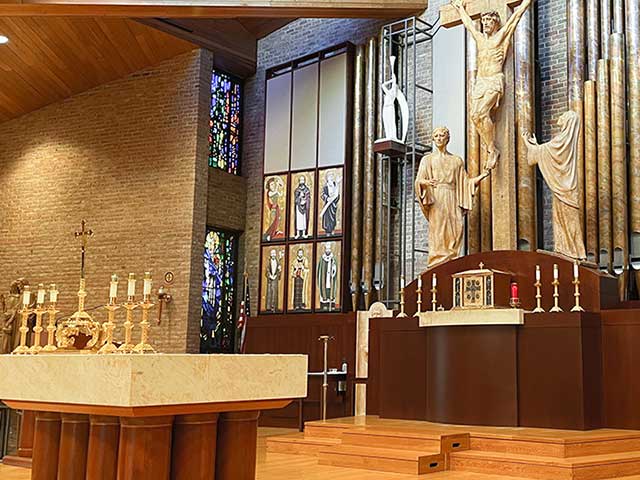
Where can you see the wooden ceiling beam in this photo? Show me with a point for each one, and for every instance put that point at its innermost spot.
(212, 9)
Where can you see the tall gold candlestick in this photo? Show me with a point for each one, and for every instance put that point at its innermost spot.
(556, 308)
(130, 306)
(51, 328)
(402, 314)
(37, 329)
(22, 348)
(419, 300)
(144, 346)
(576, 284)
(109, 326)
(538, 308)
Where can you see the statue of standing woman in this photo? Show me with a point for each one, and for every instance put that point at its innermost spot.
(10, 307)
(445, 192)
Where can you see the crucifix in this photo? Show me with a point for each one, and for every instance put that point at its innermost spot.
(84, 235)
(492, 105)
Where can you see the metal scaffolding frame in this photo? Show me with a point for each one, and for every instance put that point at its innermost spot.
(402, 39)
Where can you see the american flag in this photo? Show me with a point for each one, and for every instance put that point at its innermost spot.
(244, 314)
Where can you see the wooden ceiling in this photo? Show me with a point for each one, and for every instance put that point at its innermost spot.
(49, 59)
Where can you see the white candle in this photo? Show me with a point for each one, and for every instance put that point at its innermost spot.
(434, 281)
(402, 282)
(537, 273)
(41, 294)
(131, 291)
(53, 293)
(26, 296)
(419, 281)
(555, 271)
(575, 270)
(147, 283)
(113, 286)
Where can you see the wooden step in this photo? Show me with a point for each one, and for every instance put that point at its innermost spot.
(383, 459)
(597, 443)
(298, 444)
(321, 429)
(593, 467)
(411, 439)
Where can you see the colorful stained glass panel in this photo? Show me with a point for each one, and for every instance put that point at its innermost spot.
(224, 123)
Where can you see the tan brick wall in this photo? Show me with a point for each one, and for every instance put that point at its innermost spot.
(130, 157)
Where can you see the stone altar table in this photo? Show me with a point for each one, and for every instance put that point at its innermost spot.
(148, 416)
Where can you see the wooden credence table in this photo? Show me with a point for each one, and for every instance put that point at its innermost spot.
(148, 417)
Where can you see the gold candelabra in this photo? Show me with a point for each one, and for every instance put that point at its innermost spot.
(538, 308)
(108, 327)
(144, 346)
(402, 314)
(51, 327)
(556, 308)
(37, 329)
(419, 294)
(22, 348)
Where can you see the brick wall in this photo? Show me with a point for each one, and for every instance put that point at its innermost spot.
(128, 157)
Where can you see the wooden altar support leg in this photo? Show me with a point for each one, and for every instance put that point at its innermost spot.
(46, 445)
(145, 448)
(27, 431)
(74, 439)
(237, 442)
(102, 455)
(194, 447)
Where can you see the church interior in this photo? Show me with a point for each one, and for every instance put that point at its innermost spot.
(337, 239)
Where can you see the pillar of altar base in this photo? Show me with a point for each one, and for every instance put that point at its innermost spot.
(193, 453)
(74, 440)
(46, 445)
(145, 448)
(102, 454)
(27, 428)
(237, 440)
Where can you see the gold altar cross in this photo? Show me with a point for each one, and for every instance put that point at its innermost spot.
(503, 176)
(84, 235)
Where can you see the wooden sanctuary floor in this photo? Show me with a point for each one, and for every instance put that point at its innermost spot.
(281, 466)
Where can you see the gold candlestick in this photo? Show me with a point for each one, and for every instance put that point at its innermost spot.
(24, 329)
(51, 328)
(419, 301)
(556, 308)
(434, 302)
(538, 308)
(144, 346)
(130, 306)
(577, 307)
(109, 326)
(37, 329)
(402, 314)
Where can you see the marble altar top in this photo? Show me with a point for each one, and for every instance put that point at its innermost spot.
(151, 380)
(479, 316)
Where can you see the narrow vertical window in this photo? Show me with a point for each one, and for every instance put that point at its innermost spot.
(225, 122)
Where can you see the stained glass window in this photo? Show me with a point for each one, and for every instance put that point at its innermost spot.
(217, 323)
(224, 123)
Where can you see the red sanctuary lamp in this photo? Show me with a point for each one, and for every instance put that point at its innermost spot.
(514, 300)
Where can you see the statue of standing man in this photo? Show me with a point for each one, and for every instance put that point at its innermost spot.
(492, 46)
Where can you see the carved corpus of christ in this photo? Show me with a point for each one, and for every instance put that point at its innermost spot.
(492, 46)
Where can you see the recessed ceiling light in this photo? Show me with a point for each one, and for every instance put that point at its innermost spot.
(3, 40)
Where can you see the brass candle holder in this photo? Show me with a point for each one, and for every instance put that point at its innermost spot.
(576, 294)
(402, 313)
(130, 305)
(108, 327)
(419, 301)
(144, 346)
(52, 311)
(22, 348)
(37, 329)
(556, 308)
(434, 301)
(538, 308)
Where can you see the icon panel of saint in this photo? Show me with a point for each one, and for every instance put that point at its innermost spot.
(272, 283)
(330, 202)
(302, 210)
(300, 275)
(328, 285)
(274, 208)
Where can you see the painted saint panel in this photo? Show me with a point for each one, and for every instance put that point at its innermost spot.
(300, 275)
(328, 285)
(330, 202)
(274, 208)
(272, 272)
(301, 212)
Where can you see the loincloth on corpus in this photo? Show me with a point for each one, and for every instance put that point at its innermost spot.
(486, 85)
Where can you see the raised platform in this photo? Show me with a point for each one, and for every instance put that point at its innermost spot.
(401, 446)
